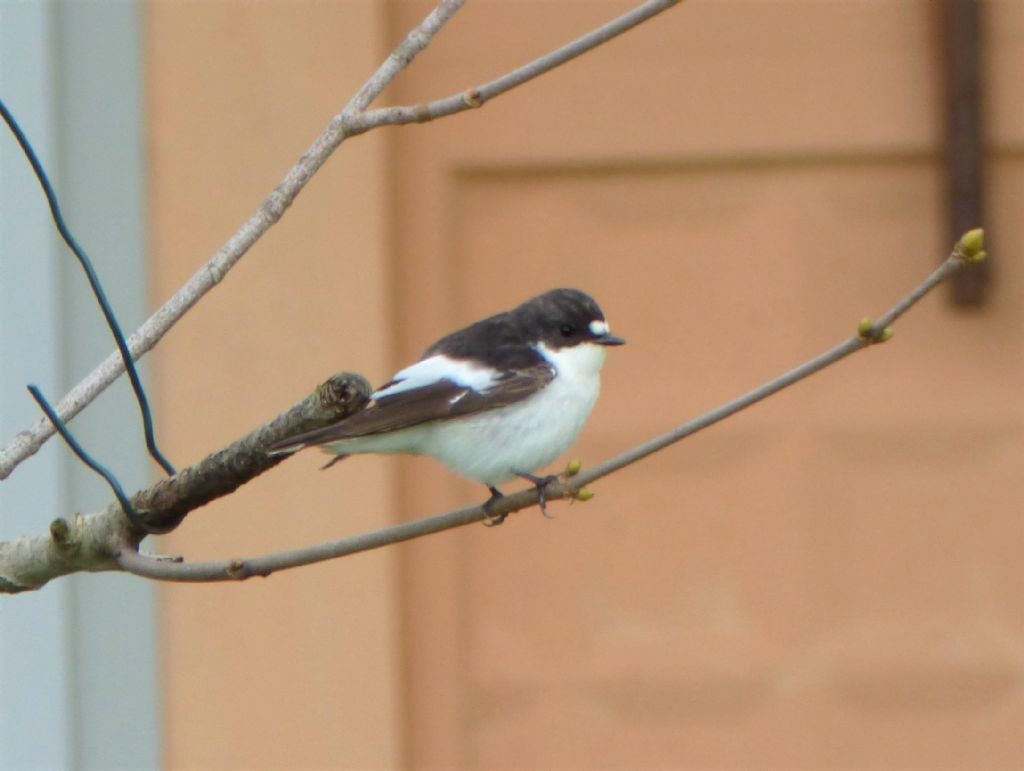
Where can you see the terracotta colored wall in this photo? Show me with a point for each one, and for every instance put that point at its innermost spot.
(299, 671)
(829, 580)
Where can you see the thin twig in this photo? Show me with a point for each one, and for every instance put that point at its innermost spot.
(476, 97)
(350, 121)
(967, 251)
(841, 351)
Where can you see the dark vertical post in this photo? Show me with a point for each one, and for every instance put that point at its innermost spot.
(962, 21)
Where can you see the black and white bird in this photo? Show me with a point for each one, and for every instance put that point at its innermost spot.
(499, 399)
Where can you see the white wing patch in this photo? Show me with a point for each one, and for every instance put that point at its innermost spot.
(435, 368)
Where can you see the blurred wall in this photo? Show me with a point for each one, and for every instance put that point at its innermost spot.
(828, 580)
(300, 671)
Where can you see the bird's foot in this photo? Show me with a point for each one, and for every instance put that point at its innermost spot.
(493, 519)
(540, 483)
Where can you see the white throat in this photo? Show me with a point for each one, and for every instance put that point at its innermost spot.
(582, 361)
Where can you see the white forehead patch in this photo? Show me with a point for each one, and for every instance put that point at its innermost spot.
(599, 328)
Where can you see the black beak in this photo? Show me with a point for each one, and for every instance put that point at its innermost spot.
(609, 340)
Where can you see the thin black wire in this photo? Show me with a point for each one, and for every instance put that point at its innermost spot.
(84, 456)
(101, 298)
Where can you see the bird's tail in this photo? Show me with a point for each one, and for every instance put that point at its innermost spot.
(276, 450)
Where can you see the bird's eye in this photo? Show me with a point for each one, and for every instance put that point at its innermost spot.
(567, 330)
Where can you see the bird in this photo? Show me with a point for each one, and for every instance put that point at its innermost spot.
(496, 400)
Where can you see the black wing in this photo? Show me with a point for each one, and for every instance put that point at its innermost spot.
(441, 399)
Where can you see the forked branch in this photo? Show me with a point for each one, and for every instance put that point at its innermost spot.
(92, 541)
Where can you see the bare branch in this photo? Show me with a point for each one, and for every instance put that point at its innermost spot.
(352, 120)
(967, 251)
(164, 505)
(91, 541)
(476, 97)
(867, 334)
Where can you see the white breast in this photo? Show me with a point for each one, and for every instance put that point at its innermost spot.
(492, 447)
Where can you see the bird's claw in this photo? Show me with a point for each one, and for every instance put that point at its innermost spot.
(493, 520)
(540, 483)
